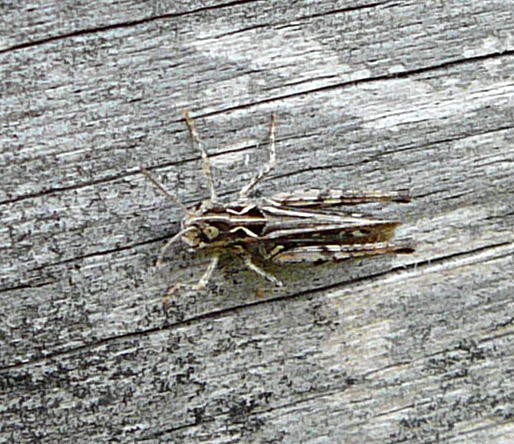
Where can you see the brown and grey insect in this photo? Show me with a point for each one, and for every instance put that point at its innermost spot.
(285, 228)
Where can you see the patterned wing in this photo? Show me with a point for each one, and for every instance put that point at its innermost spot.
(318, 198)
(334, 253)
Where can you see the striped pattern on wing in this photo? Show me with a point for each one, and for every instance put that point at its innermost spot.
(318, 198)
(334, 253)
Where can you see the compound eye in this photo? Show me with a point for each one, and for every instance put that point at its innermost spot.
(192, 238)
(211, 232)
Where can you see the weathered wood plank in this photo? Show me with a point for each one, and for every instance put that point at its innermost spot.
(380, 95)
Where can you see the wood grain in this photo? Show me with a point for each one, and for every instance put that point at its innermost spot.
(369, 95)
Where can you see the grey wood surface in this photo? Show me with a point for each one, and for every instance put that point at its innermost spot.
(370, 95)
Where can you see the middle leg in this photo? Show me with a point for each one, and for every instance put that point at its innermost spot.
(250, 265)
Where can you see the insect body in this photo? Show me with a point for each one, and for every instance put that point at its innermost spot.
(284, 228)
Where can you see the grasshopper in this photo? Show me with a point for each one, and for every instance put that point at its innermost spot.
(288, 227)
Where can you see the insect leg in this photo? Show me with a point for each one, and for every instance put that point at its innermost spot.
(202, 283)
(206, 164)
(261, 272)
(168, 244)
(248, 262)
(271, 161)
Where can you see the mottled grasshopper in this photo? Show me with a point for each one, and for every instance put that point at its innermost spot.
(284, 228)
